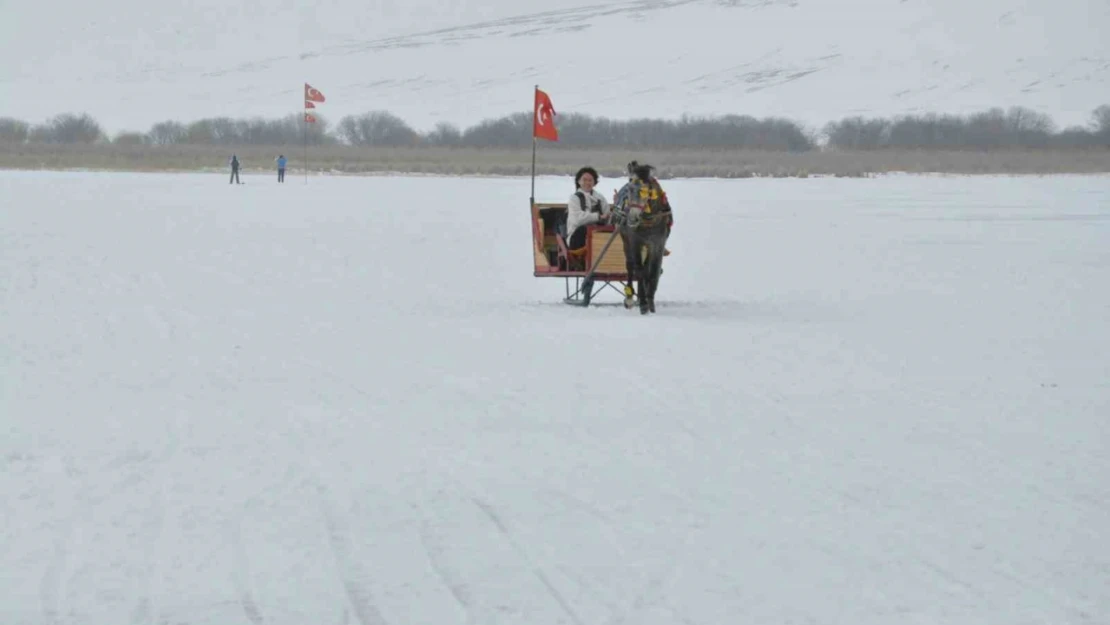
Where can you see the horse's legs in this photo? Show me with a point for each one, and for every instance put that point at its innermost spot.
(635, 266)
(628, 266)
(654, 268)
(645, 257)
(644, 271)
(632, 263)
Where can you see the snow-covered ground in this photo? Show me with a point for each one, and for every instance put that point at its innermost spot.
(130, 65)
(861, 402)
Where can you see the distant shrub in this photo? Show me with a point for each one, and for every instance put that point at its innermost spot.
(68, 128)
(376, 128)
(13, 130)
(131, 138)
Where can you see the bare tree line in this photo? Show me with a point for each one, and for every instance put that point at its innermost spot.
(992, 129)
(996, 129)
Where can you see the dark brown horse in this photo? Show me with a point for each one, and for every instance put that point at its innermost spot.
(644, 220)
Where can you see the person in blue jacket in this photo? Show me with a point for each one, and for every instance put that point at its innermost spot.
(281, 167)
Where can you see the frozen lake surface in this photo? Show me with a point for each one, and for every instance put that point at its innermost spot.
(861, 402)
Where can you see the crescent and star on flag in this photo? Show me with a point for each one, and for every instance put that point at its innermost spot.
(543, 118)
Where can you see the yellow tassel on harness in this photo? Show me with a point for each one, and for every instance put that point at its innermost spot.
(646, 195)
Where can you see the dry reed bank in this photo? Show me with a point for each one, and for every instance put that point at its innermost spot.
(553, 160)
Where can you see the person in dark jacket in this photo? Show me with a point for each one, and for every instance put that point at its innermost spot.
(234, 170)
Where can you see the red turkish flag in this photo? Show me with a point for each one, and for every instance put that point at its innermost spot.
(309, 118)
(312, 94)
(309, 105)
(543, 118)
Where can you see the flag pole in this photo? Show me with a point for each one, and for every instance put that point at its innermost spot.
(304, 122)
(535, 94)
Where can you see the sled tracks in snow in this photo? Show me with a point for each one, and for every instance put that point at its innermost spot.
(358, 595)
(455, 581)
(536, 571)
(473, 517)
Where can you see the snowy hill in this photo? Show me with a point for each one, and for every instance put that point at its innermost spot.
(276, 405)
(131, 64)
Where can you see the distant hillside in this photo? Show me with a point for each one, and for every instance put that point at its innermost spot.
(130, 64)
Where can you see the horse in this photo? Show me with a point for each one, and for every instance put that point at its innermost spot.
(642, 214)
(644, 242)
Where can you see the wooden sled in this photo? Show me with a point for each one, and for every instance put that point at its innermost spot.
(586, 272)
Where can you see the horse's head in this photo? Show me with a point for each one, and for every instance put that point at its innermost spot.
(644, 172)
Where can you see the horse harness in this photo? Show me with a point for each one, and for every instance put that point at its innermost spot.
(654, 207)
